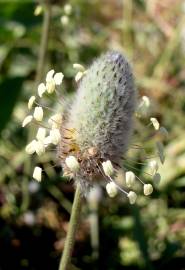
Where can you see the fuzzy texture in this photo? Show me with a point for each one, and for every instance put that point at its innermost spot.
(100, 118)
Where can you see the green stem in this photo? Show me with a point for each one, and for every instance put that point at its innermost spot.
(69, 242)
(44, 42)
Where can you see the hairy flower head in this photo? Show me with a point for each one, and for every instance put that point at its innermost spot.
(93, 133)
(99, 122)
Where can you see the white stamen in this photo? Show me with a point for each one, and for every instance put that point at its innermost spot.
(111, 189)
(153, 165)
(143, 106)
(146, 101)
(155, 123)
(38, 113)
(78, 76)
(31, 147)
(40, 148)
(55, 121)
(78, 67)
(55, 136)
(37, 174)
(130, 178)
(132, 197)
(72, 163)
(49, 75)
(147, 189)
(50, 86)
(108, 168)
(41, 89)
(64, 20)
(58, 78)
(41, 134)
(27, 120)
(38, 10)
(67, 9)
(30, 102)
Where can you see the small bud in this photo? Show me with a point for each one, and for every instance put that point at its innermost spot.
(38, 114)
(31, 147)
(55, 121)
(78, 76)
(41, 134)
(155, 123)
(132, 197)
(153, 165)
(30, 102)
(40, 148)
(37, 174)
(148, 189)
(130, 178)
(111, 189)
(27, 120)
(72, 163)
(55, 136)
(108, 168)
(58, 78)
(67, 9)
(49, 75)
(64, 20)
(78, 67)
(41, 89)
(50, 86)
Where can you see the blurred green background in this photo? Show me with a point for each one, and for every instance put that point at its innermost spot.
(34, 217)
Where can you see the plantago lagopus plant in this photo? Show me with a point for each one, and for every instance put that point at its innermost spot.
(93, 133)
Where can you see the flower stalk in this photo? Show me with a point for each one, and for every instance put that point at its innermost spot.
(73, 224)
(44, 42)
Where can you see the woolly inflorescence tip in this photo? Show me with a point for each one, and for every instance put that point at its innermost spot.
(100, 117)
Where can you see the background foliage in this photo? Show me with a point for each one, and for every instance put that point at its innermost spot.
(34, 217)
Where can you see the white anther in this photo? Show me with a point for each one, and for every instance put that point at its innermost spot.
(37, 174)
(38, 113)
(111, 189)
(72, 163)
(108, 168)
(147, 189)
(27, 120)
(129, 178)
